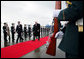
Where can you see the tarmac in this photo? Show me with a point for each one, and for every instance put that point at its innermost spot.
(39, 52)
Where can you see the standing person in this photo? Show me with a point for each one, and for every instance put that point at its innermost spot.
(36, 31)
(41, 31)
(13, 32)
(44, 31)
(8, 31)
(70, 41)
(19, 31)
(47, 31)
(5, 32)
(25, 31)
(29, 32)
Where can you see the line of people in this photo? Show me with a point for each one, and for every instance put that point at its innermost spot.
(19, 31)
(26, 32)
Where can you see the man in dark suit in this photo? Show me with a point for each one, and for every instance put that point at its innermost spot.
(13, 32)
(19, 31)
(70, 41)
(5, 32)
(36, 31)
(25, 31)
(8, 31)
(43, 31)
(29, 32)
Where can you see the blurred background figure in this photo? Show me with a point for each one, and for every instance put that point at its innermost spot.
(36, 31)
(8, 32)
(25, 31)
(19, 31)
(41, 31)
(5, 32)
(29, 32)
(13, 32)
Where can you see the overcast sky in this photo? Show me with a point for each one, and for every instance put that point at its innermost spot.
(27, 12)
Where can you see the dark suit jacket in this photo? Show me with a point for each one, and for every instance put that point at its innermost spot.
(25, 29)
(4, 30)
(12, 29)
(36, 30)
(70, 41)
(29, 30)
(19, 29)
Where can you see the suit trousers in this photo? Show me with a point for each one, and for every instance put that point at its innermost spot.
(36, 36)
(5, 36)
(12, 37)
(19, 36)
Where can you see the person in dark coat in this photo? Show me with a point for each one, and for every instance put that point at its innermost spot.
(8, 31)
(19, 30)
(13, 32)
(36, 31)
(29, 32)
(25, 31)
(41, 31)
(70, 41)
(5, 32)
(45, 31)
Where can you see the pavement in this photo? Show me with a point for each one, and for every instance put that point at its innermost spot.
(39, 52)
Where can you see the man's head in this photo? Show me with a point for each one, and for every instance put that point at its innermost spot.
(12, 24)
(25, 25)
(35, 22)
(28, 25)
(18, 22)
(4, 24)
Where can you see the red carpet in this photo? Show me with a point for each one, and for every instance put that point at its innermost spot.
(20, 49)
